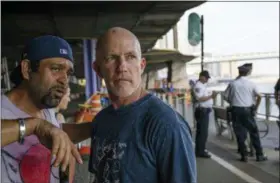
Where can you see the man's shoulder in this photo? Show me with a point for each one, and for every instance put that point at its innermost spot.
(249, 83)
(7, 108)
(164, 115)
(105, 112)
(199, 86)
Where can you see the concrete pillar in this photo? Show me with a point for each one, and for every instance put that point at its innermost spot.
(93, 83)
(179, 75)
(152, 78)
(169, 71)
(146, 80)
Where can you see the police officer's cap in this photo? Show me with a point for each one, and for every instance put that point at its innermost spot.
(245, 67)
(205, 74)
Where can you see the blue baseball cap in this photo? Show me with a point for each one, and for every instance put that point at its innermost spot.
(40, 48)
(48, 46)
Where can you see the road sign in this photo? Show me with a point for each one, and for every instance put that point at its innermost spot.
(194, 33)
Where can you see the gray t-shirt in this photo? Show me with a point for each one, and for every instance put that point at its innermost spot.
(31, 161)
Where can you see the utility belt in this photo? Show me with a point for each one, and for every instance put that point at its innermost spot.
(252, 109)
(204, 109)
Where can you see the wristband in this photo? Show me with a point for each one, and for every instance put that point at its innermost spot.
(22, 130)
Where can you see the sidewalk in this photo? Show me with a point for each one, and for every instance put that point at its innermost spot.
(271, 166)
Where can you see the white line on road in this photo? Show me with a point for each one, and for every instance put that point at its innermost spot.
(233, 169)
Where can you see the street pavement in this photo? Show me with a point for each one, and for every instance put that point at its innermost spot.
(225, 166)
(231, 169)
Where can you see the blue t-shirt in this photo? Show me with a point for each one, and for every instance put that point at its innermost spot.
(144, 142)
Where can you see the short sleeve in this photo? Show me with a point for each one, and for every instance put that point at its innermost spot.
(198, 91)
(174, 152)
(227, 92)
(255, 89)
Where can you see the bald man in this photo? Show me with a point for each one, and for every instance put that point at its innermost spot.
(138, 138)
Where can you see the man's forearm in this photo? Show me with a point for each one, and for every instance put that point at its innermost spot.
(78, 132)
(203, 99)
(10, 130)
(276, 97)
(259, 98)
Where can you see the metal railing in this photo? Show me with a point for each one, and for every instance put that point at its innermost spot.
(268, 109)
(180, 101)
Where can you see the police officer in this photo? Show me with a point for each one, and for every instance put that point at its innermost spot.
(203, 107)
(244, 99)
(277, 102)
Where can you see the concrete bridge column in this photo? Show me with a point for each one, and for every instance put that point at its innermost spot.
(93, 83)
(179, 75)
(148, 79)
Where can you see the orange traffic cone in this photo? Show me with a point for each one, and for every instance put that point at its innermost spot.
(96, 104)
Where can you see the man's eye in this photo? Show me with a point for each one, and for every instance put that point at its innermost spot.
(130, 57)
(70, 73)
(56, 69)
(110, 58)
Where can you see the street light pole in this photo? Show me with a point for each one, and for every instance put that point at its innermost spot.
(202, 41)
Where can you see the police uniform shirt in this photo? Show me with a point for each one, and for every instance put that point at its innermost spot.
(200, 90)
(241, 92)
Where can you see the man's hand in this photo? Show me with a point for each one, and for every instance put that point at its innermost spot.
(214, 94)
(58, 141)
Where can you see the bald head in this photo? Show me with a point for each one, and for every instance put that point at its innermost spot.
(116, 34)
(119, 61)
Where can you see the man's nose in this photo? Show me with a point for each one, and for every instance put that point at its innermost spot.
(122, 64)
(63, 79)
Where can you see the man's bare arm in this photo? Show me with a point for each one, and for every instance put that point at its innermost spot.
(10, 130)
(276, 94)
(78, 132)
(205, 98)
(48, 134)
(259, 98)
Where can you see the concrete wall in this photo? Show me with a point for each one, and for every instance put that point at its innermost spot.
(152, 78)
(179, 75)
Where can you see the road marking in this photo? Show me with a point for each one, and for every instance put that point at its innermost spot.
(233, 169)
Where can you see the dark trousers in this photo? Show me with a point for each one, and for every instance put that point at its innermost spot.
(202, 119)
(243, 120)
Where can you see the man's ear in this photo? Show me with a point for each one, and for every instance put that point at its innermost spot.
(25, 69)
(96, 68)
(143, 65)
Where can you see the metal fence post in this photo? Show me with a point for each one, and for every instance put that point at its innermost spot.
(267, 106)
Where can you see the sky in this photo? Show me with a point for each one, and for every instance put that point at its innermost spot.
(237, 27)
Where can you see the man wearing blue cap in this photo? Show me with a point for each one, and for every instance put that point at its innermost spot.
(244, 99)
(41, 80)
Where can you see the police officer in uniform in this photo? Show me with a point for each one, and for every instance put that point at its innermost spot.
(277, 102)
(203, 107)
(244, 99)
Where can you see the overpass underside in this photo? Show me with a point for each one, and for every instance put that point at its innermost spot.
(78, 21)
